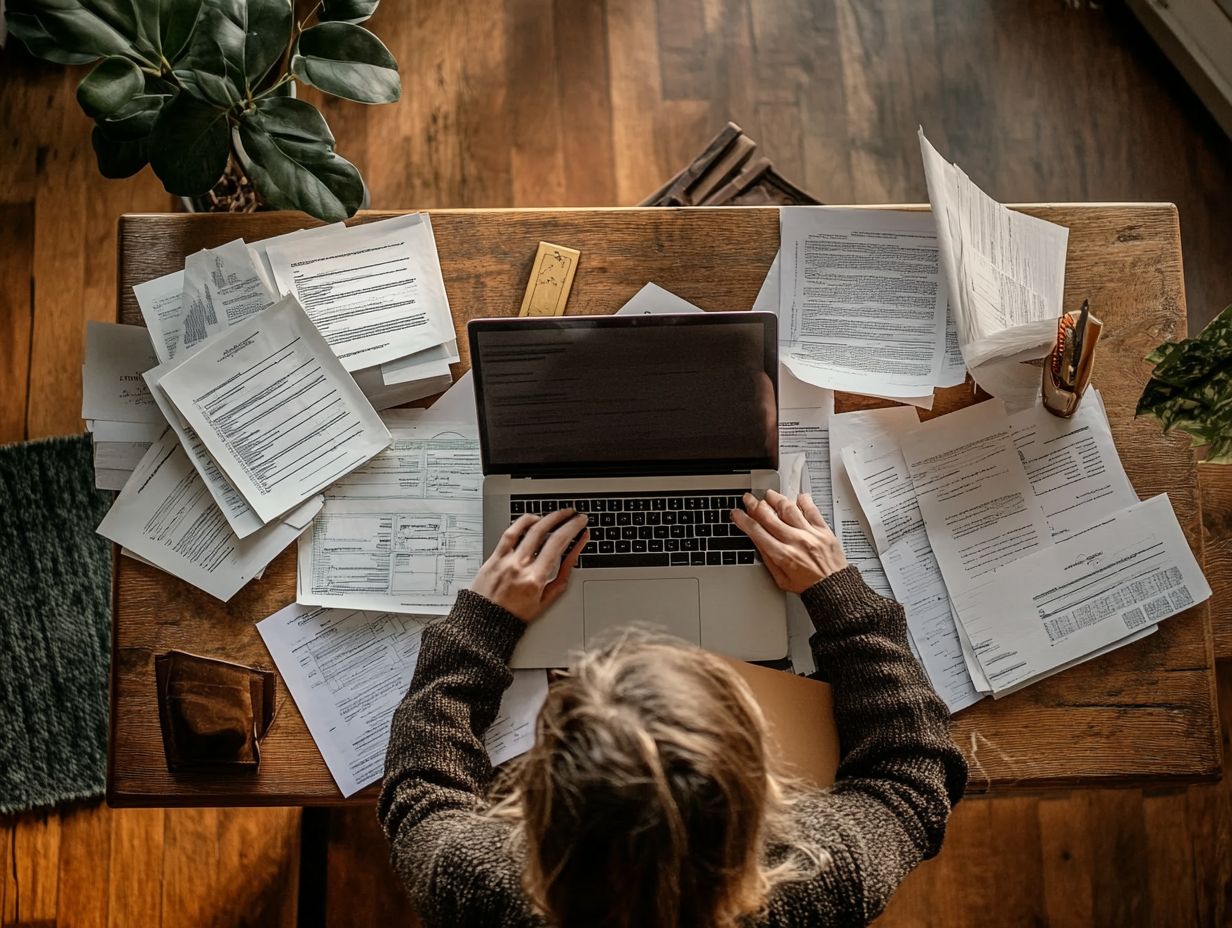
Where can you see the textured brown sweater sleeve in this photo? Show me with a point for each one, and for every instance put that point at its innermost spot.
(456, 864)
(899, 773)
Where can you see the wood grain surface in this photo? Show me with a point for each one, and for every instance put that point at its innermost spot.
(1145, 713)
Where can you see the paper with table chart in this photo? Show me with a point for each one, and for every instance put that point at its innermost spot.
(167, 516)
(391, 555)
(1053, 608)
(405, 532)
(862, 300)
(222, 286)
(375, 291)
(160, 301)
(348, 671)
(861, 428)
(1005, 270)
(434, 461)
(275, 409)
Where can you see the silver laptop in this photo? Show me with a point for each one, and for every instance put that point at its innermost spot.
(654, 426)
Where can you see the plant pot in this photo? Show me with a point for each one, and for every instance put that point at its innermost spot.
(234, 193)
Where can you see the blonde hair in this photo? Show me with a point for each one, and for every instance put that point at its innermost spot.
(649, 798)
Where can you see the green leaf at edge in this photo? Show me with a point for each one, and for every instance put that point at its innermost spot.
(347, 61)
(347, 11)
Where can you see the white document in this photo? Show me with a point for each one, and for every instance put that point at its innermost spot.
(654, 300)
(863, 301)
(242, 518)
(375, 291)
(112, 387)
(161, 301)
(275, 409)
(1053, 608)
(145, 432)
(166, 515)
(348, 672)
(111, 479)
(422, 365)
(767, 300)
(916, 580)
(222, 287)
(807, 432)
(260, 250)
(422, 462)
(887, 498)
(119, 455)
(513, 732)
(977, 502)
(457, 404)
(1073, 466)
(384, 396)
(1005, 270)
(391, 555)
(849, 525)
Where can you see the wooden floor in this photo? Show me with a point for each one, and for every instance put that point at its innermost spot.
(580, 102)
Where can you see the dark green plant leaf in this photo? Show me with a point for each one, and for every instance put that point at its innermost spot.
(189, 145)
(86, 27)
(205, 74)
(167, 25)
(1190, 389)
(39, 42)
(347, 61)
(113, 82)
(287, 151)
(135, 119)
(118, 158)
(266, 38)
(346, 11)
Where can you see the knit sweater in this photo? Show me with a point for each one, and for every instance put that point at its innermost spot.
(898, 777)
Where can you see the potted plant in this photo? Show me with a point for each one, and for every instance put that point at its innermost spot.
(1191, 388)
(203, 90)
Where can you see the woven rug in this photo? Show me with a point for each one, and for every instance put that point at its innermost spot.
(55, 625)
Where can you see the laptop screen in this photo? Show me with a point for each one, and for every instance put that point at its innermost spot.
(591, 395)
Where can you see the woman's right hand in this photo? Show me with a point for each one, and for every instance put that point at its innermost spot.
(794, 541)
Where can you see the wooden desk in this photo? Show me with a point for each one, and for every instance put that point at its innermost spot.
(1146, 713)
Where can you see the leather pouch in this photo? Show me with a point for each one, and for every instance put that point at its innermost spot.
(213, 713)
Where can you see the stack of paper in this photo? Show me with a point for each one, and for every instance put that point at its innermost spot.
(375, 292)
(261, 416)
(120, 413)
(1016, 543)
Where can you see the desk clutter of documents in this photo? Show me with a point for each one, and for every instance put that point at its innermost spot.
(256, 409)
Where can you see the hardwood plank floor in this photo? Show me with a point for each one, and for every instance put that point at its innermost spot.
(568, 103)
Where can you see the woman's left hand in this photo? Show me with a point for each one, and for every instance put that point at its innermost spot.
(522, 575)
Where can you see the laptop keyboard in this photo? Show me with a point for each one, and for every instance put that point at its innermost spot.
(657, 529)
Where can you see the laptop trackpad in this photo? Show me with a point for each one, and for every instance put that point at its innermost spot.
(671, 605)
